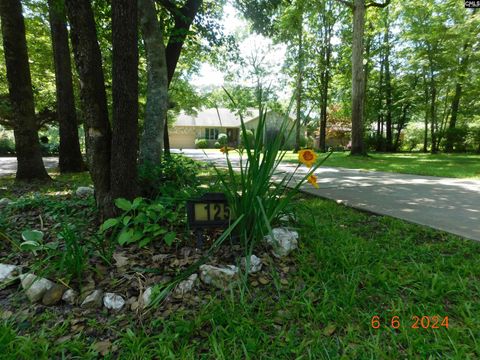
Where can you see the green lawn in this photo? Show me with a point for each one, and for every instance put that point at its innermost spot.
(448, 165)
(350, 267)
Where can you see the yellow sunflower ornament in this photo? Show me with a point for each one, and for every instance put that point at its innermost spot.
(307, 157)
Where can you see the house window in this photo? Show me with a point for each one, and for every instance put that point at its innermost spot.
(211, 134)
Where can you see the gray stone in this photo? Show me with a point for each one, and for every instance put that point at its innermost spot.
(113, 301)
(70, 296)
(94, 300)
(4, 202)
(35, 287)
(146, 298)
(283, 242)
(8, 274)
(220, 277)
(84, 191)
(53, 295)
(187, 285)
(255, 264)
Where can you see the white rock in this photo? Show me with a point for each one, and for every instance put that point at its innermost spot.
(221, 277)
(146, 297)
(113, 301)
(255, 264)
(94, 300)
(4, 202)
(84, 191)
(283, 242)
(70, 296)
(35, 287)
(187, 285)
(8, 273)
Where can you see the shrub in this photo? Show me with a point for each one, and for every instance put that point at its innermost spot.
(174, 174)
(222, 139)
(218, 145)
(247, 134)
(7, 146)
(142, 222)
(201, 143)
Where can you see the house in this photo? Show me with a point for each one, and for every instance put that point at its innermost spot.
(209, 123)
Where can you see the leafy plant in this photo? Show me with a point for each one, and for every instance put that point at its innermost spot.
(256, 189)
(74, 259)
(173, 174)
(201, 143)
(33, 241)
(142, 222)
(222, 139)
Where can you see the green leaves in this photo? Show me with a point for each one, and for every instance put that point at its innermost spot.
(142, 222)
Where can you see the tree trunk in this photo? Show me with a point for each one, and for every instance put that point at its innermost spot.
(379, 139)
(298, 92)
(425, 134)
(358, 78)
(94, 101)
(433, 120)
(123, 177)
(29, 158)
(388, 89)
(70, 157)
(151, 143)
(456, 98)
(183, 20)
(325, 83)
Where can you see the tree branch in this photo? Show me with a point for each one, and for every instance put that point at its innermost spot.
(169, 5)
(378, 5)
(347, 3)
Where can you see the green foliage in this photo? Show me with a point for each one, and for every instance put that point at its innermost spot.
(222, 139)
(251, 189)
(7, 146)
(175, 174)
(143, 222)
(201, 143)
(75, 255)
(217, 145)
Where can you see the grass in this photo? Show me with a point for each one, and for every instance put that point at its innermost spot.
(350, 267)
(447, 165)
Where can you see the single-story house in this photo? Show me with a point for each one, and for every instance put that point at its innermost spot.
(209, 123)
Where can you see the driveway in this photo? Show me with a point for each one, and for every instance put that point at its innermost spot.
(447, 204)
(8, 165)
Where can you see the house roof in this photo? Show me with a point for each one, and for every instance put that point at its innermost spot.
(220, 117)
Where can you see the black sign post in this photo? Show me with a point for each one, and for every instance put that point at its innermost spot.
(209, 211)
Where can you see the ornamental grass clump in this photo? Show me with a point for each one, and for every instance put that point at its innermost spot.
(257, 189)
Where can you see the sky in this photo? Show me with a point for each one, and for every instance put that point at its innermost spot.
(232, 22)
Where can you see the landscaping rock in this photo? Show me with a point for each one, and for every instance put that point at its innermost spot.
(221, 278)
(8, 273)
(4, 202)
(255, 264)
(53, 295)
(283, 242)
(35, 287)
(84, 191)
(113, 301)
(186, 286)
(94, 300)
(70, 296)
(146, 297)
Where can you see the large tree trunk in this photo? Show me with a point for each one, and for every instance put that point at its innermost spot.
(151, 143)
(94, 101)
(358, 78)
(433, 115)
(425, 132)
(379, 146)
(125, 99)
(325, 81)
(27, 146)
(70, 157)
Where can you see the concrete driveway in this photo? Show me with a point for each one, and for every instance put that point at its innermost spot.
(8, 165)
(447, 204)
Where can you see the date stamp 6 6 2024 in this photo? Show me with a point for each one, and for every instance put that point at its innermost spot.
(416, 322)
